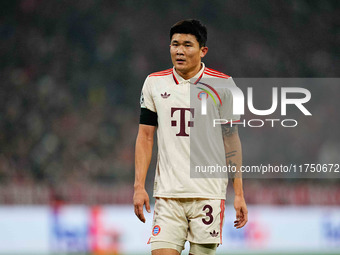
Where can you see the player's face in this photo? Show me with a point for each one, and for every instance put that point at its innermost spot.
(186, 54)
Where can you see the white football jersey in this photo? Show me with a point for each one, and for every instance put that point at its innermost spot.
(186, 137)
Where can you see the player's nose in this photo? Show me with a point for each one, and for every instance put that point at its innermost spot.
(180, 50)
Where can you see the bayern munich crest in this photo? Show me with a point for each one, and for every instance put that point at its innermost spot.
(156, 229)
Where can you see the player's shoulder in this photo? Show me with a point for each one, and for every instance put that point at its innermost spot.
(216, 74)
(161, 73)
(157, 78)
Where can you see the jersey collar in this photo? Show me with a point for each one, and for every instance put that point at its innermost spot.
(179, 80)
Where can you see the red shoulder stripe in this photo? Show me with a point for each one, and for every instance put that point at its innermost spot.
(165, 74)
(213, 70)
(222, 77)
(166, 71)
(161, 73)
(217, 75)
(216, 72)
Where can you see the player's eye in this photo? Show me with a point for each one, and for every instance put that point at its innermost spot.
(188, 45)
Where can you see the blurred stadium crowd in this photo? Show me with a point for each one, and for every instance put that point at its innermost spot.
(71, 74)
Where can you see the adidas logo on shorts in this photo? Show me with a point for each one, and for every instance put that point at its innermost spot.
(214, 233)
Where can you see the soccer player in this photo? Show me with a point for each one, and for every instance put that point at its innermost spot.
(186, 209)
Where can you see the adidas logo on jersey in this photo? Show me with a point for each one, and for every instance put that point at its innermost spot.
(165, 95)
(214, 233)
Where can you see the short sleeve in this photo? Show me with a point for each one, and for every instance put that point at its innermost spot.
(226, 109)
(146, 98)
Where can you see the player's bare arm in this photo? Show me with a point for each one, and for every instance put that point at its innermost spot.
(233, 150)
(143, 153)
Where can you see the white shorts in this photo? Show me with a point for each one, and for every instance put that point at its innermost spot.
(196, 220)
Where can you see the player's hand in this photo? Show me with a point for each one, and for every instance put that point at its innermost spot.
(140, 198)
(241, 212)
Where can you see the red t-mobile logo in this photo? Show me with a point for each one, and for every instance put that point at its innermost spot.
(182, 119)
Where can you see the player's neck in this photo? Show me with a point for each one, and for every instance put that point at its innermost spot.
(190, 74)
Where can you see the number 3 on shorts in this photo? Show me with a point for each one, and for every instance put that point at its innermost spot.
(208, 213)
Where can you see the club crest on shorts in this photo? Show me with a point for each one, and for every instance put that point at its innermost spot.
(156, 229)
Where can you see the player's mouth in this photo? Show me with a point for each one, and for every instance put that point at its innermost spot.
(180, 61)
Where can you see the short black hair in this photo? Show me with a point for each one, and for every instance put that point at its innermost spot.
(191, 26)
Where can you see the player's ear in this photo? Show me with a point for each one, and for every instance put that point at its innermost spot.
(204, 51)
